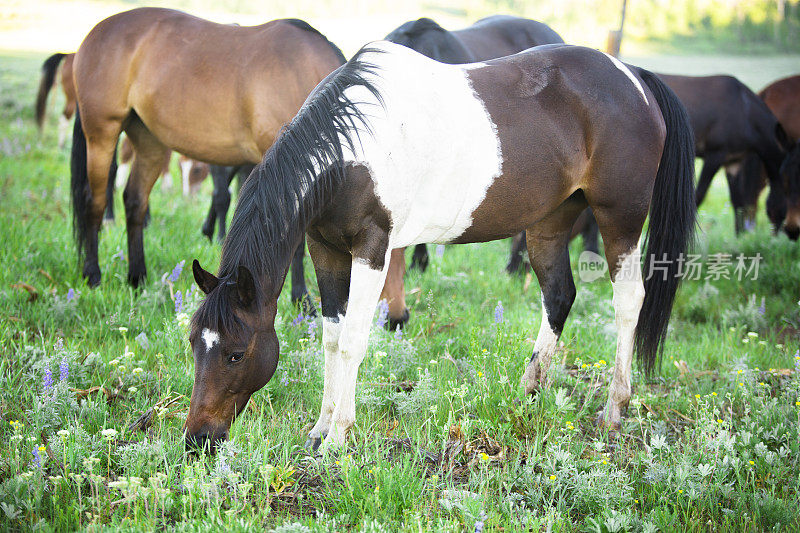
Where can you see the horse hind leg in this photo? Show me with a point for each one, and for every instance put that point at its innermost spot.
(548, 249)
(90, 208)
(145, 170)
(300, 296)
(621, 233)
(112, 177)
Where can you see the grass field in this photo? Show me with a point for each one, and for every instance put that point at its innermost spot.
(444, 439)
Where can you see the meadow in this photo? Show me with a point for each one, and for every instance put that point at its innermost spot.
(96, 384)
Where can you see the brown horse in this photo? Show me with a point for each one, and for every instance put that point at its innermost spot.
(749, 179)
(169, 80)
(489, 38)
(395, 149)
(730, 120)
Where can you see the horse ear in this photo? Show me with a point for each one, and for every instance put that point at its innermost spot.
(246, 287)
(205, 280)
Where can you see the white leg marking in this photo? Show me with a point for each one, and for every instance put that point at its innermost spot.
(627, 301)
(331, 331)
(166, 182)
(186, 170)
(123, 171)
(365, 289)
(210, 337)
(63, 130)
(535, 375)
(620, 65)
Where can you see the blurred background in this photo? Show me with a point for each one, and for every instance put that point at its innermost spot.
(651, 26)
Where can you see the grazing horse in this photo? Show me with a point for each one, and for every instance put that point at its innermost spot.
(50, 69)
(730, 120)
(489, 38)
(169, 80)
(394, 149)
(783, 99)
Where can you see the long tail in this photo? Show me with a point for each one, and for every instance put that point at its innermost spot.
(672, 224)
(79, 184)
(49, 70)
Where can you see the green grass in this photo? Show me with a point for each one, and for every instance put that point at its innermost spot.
(711, 442)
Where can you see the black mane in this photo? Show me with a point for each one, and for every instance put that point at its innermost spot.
(290, 186)
(305, 26)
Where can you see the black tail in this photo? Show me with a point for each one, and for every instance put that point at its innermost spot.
(49, 69)
(672, 223)
(79, 184)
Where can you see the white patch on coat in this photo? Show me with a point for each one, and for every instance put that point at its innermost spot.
(625, 70)
(434, 150)
(627, 300)
(210, 337)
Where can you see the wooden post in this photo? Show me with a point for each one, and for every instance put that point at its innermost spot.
(614, 40)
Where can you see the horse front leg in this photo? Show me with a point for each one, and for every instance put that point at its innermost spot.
(367, 279)
(333, 277)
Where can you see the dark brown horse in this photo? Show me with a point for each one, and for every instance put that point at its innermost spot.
(749, 179)
(395, 149)
(489, 38)
(215, 92)
(729, 120)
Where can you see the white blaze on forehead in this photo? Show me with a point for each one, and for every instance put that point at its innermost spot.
(210, 338)
(620, 65)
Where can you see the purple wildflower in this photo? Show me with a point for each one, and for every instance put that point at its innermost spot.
(178, 302)
(312, 325)
(176, 272)
(37, 459)
(762, 309)
(70, 294)
(63, 370)
(119, 255)
(47, 381)
(298, 319)
(59, 345)
(498, 312)
(439, 250)
(479, 523)
(398, 333)
(383, 312)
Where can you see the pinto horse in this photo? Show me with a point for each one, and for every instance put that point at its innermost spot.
(730, 120)
(215, 92)
(783, 99)
(395, 149)
(489, 38)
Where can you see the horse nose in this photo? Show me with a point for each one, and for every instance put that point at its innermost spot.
(793, 232)
(207, 442)
(395, 323)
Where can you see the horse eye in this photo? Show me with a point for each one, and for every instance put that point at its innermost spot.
(236, 357)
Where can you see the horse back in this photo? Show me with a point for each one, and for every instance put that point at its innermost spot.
(502, 35)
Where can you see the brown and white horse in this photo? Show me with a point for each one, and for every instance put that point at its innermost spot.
(395, 149)
(217, 93)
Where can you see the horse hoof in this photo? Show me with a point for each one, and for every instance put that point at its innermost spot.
(92, 279)
(136, 280)
(613, 427)
(313, 443)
